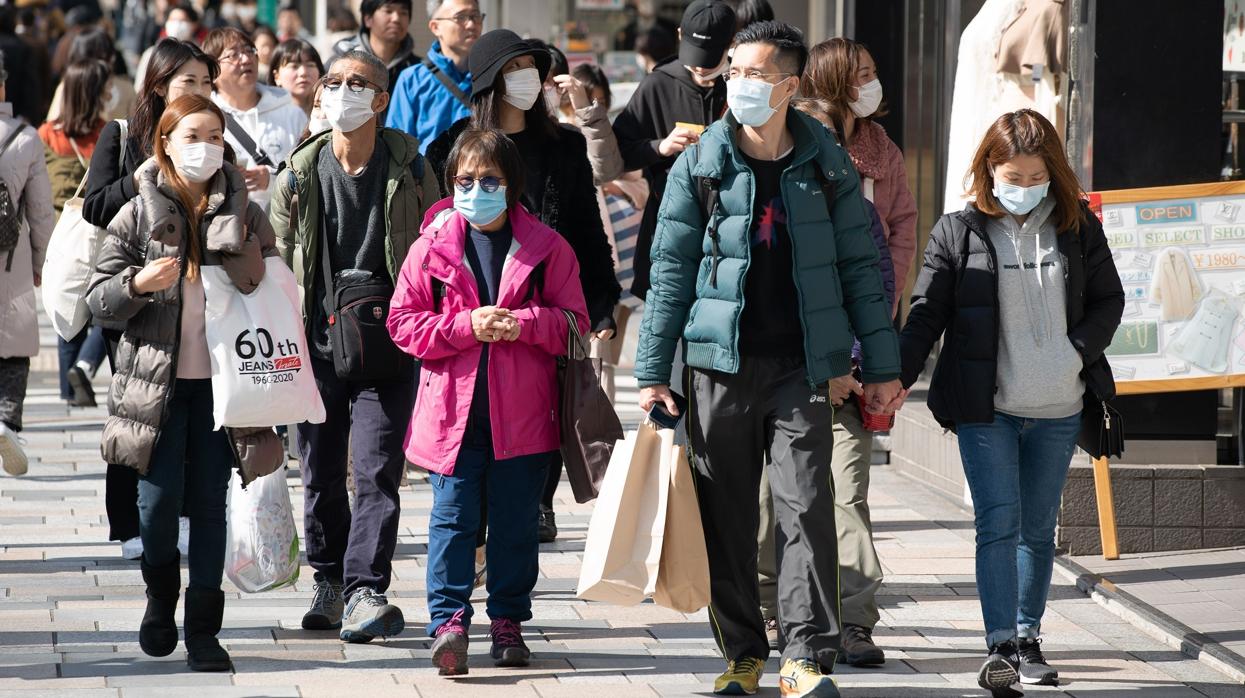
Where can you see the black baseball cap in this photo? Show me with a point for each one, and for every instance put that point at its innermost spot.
(708, 28)
(493, 50)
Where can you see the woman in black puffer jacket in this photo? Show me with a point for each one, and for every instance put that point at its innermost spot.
(508, 76)
(1022, 287)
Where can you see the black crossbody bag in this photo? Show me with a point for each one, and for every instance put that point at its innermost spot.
(362, 349)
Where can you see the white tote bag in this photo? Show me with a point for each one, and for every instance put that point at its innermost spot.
(261, 551)
(70, 260)
(261, 371)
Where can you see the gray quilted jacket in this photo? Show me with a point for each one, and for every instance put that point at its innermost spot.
(236, 236)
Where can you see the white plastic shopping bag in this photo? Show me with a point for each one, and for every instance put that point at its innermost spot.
(68, 267)
(261, 370)
(261, 552)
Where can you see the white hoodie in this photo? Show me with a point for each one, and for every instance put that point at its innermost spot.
(276, 124)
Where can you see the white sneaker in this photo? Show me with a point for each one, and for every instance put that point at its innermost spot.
(132, 549)
(183, 536)
(15, 460)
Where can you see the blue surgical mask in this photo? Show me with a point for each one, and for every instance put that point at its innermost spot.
(1020, 200)
(749, 100)
(478, 206)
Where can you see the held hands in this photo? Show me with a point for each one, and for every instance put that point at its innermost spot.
(654, 394)
(842, 388)
(492, 324)
(678, 141)
(885, 398)
(158, 275)
(568, 86)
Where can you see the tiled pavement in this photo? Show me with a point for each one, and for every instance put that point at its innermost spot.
(70, 607)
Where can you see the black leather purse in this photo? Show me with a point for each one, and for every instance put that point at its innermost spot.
(1102, 428)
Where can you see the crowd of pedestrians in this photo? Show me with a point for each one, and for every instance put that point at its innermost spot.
(465, 199)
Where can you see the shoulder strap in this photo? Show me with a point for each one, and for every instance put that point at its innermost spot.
(258, 156)
(447, 82)
(326, 266)
(124, 142)
(438, 293)
(535, 283)
(21, 126)
(827, 189)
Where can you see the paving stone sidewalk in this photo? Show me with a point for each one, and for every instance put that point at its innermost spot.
(70, 608)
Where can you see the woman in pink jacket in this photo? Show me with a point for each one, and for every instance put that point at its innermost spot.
(842, 79)
(483, 300)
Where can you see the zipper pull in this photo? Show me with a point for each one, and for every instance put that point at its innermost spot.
(1106, 417)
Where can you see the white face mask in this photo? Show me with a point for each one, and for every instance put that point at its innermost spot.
(246, 13)
(553, 101)
(713, 75)
(179, 29)
(318, 124)
(868, 100)
(523, 88)
(346, 111)
(197, 162)
(749, 100)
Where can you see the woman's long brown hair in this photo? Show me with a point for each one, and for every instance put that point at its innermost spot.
(828, 79)
(173, 114)
(1026, 132)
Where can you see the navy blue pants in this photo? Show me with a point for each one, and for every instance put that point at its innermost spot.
(513, 490)
(190, 465)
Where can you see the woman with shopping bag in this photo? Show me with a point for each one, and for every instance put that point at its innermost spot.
(481, 300)
(191, 211)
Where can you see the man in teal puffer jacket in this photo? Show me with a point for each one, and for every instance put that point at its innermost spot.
(763, 265)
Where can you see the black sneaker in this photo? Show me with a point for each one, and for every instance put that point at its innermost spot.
(1001, 669)
(548, 530)
(1034, 671)
(508, 649)
(859, 649)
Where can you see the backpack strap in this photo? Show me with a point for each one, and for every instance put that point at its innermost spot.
(536, 282)
(21, 126)
(447, 82)
(827, 189)
(438, 294)
(708, 193)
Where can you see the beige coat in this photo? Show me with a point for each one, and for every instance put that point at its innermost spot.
(237, 237)
(25, 174)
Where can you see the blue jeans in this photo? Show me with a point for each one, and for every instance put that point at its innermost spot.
(190, 463)
(513, 489)
(88, 346)
(1016, 468)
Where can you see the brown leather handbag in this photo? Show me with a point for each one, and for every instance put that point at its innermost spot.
(590, 426)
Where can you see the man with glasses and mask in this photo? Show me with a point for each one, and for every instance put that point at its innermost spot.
(768, 342)
(434, 93)
(385, 34)
(346, 210)
(263, 125)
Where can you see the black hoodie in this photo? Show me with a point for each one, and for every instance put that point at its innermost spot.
(668, 95)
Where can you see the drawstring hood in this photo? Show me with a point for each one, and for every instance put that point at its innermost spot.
(1032, 248)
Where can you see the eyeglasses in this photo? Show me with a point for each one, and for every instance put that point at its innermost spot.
(462, 18)
(488, 184)
(238, 54)
(751, 74)
(354, 83)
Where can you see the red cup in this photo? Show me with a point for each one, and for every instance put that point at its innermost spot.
(873, 421)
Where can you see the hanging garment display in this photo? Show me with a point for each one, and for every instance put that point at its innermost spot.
(1206, 339)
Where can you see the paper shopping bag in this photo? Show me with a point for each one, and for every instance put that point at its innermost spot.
(683, 575)
(623, 549)
(261, 369)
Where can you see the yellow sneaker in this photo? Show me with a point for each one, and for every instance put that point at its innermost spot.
(741, 677)
(802, 678)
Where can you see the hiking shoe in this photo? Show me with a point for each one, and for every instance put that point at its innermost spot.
(803, 677)
(1001, 669)
(370, 615)
(326, 606)
(771, 632)
(741, 678)
(11, 452)
(80, 383)
(481, 568)
(1034, 671)
(508, 649)
(132, 549)
(548, 529)
(859, 649)
(449, 650)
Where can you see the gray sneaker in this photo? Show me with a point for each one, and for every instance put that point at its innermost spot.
(369, 615)
(326, 606)
(1034, 671)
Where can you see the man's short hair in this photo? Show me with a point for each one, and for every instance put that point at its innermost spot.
(379, 73)
(222, 39)
(789, 42)
(369, 7)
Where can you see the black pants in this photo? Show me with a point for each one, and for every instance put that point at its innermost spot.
(368, 422)
(121, 483)
(14, 374)
(767, 407)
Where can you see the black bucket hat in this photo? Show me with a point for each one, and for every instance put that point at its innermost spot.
(493, 49)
